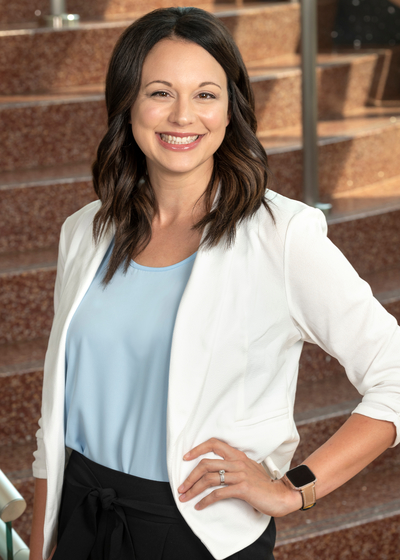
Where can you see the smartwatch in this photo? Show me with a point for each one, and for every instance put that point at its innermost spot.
(303, 479)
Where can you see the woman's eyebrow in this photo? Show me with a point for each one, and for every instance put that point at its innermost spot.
(170, 85)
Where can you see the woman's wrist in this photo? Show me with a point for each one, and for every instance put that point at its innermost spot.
(291, 499)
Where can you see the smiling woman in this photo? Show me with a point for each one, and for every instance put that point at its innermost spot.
(182, 301)
(188, 117)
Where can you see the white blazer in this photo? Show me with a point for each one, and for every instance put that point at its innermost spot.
(236, 345)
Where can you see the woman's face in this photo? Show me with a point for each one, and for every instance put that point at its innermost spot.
(181, 112)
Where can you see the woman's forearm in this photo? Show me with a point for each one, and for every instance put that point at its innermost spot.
(356, 444)
(39, 506)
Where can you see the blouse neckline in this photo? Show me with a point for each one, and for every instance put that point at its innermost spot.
(162, 268)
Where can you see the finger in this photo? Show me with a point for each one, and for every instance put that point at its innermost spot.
(208, 481)
(210, 465)
(216, 446)
(230, 491)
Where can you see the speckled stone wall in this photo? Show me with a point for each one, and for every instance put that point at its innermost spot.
(26, 306)
(21, 397)
(46, 133)
(32, 216)
(378, 540)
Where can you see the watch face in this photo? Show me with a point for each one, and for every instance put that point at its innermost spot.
(300, 476)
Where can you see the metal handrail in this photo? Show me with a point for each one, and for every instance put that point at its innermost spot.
(59, 18)
(309, 43)
(20, 551)
(12, 506)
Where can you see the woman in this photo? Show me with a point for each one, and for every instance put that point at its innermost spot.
(182, 302)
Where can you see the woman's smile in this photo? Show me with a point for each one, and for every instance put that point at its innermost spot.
(176, 141)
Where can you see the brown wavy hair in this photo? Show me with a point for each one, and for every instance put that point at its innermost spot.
(119, 171)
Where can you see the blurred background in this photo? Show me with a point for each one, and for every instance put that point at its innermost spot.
(53, 58)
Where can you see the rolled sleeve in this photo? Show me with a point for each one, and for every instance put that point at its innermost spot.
(333, 307)
(39, 464)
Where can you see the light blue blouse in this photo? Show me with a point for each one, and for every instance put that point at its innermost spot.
(117, 364)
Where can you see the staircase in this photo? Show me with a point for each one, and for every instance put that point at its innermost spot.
(52, 116)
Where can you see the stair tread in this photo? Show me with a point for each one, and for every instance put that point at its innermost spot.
(22, 357)
(324, 397)
(91, 92)
(385, 284)
(363, 201)
(350, 504)
(363, 122)
(124, 19)
(276, 66)
(28, 260)
(46, 175)
(16, 460)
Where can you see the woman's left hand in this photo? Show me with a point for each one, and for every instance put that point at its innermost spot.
(244, 479)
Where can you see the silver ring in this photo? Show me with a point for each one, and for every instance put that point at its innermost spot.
(222, 477)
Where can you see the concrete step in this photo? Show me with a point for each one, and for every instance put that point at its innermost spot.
(343, 82)
(353, 152)
(321, 408)
(26, 301)
(35, 203)
(36, 59)
(358, 521)
(52, 129)
(21, 378)
(67, 124)
(364, 224)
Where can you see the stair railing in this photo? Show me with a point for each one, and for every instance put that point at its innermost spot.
(12, 506)
(59, 17)
(309, 45)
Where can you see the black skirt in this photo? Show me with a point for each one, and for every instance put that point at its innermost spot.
(109, 515)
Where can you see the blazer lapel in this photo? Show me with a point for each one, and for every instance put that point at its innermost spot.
(76, 284)
(193, 335)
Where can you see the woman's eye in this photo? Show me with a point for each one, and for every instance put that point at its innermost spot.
(206, 95)
(159, 94)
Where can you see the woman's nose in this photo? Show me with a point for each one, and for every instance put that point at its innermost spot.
(182, 113)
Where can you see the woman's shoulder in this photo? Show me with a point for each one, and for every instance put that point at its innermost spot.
(83, 216)
(78, 226)
(288, 212)
(81, 220)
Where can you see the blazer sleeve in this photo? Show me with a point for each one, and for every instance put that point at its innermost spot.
(39, 464)
(333, 307)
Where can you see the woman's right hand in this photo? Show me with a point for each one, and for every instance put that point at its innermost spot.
(52, 553)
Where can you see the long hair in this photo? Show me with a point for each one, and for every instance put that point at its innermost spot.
(119, 171)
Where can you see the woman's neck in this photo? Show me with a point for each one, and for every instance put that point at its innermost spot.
(177, 195)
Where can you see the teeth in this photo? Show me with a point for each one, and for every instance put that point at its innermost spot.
(177, 139)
